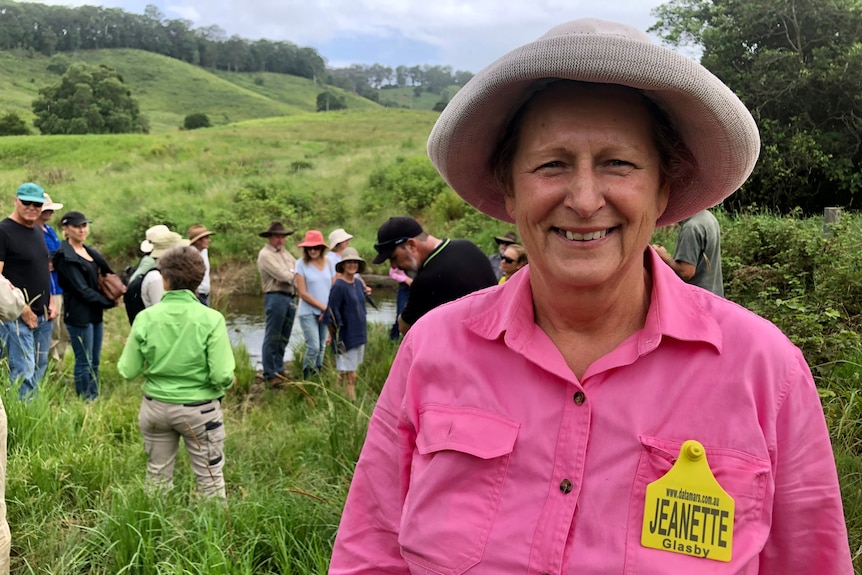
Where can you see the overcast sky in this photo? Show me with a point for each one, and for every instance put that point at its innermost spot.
(464, 34)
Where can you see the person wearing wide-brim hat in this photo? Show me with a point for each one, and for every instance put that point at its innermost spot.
(152, 287)
(147, 261)
(562, 414)
(346, 316)
(339, 240)
(277, 269)
(314, 277)
(199, 237)
(504, 241)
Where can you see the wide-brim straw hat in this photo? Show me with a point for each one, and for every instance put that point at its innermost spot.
(714, 124)
(196, 232)
(157, 230)
(350, 255)
(313, 238)
(51, 205)
(162, 242)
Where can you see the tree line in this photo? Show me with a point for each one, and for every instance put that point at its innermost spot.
(797, 65)
(51, 29)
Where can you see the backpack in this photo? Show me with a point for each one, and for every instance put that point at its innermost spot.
(132, 298)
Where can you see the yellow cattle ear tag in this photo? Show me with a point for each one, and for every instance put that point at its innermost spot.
(687, 511)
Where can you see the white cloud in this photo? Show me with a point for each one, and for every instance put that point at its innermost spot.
(466, 34)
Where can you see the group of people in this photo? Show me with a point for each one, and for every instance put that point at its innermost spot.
(331, 303)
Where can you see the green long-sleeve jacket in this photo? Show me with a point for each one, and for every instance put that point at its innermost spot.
(182, 348)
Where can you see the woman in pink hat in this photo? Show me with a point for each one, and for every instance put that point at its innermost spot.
(314, 277)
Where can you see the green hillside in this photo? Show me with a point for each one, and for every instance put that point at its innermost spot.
(168, 89)
(406, 98)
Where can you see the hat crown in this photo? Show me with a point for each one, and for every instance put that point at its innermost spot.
(31, 192)
(156, 231)
(73, 219)
(276, 228)
(595, 27)
(350, 254)
(338, 235)
(313, 238)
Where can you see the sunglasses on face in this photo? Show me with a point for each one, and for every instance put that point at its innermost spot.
(507, 259)
(30, 204)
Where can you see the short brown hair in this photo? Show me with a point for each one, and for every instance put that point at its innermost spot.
(182, 267)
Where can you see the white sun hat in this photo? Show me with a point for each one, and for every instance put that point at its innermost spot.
(713, 123)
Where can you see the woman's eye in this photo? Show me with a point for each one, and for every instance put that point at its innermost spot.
(619, 163)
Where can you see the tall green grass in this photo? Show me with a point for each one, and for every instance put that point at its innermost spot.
(75, 484)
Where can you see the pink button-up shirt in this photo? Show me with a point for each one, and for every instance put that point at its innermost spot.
(486, 455)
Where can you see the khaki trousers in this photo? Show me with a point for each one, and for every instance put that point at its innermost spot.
(59, 335)
(5, 535)
(202, 429)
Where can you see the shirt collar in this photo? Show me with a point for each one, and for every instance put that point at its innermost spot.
(677, 310)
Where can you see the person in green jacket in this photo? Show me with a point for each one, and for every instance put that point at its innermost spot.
(182, 348)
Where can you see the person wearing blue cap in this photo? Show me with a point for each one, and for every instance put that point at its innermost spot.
(24, 262)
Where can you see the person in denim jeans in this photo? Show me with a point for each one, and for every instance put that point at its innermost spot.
(24, 262)
(79, 267)
(277, 268)
(315, 275)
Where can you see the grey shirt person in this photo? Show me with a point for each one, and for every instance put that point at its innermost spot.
(699, 244)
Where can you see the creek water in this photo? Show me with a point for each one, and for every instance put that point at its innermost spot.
(245, 321)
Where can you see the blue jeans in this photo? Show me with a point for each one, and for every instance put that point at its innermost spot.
(315, 333)
(279, 310)
(27, 350)
(87, 345)
(400, 301)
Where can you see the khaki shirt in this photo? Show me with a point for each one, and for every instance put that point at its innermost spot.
(277, 270)
(11, 301)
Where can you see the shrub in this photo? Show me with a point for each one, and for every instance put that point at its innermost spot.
(196, 120)
(12, 125)
(410, 184)
(328, 101)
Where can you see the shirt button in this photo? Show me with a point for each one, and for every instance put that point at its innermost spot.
(580, 398)
(566, 486)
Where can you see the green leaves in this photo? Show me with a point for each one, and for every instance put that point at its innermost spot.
(88, 100)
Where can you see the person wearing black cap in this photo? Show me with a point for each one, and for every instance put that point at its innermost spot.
(78, 269)
(24, 262)
(445, 269)
(277, 268)
(503, 242)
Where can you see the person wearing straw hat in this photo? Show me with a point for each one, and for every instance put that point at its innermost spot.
(504, 241)
(277, 269)
(152, 288)
(24, 262)
(339, 240)
(346, 315)
(59, 334)
(199, 238)
(147, 261)
(314, 277)
(595, 413)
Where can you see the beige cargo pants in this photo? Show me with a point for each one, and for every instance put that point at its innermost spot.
(201, 425)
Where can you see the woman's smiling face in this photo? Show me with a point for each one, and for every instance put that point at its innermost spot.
(586, 184)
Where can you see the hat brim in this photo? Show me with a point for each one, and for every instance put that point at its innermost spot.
(53, 207)
(268, 233)
(160, 251)
(29, 198)
(504, 240)
(714, 124)
(147, 246)
(339, 267)
(199, 236)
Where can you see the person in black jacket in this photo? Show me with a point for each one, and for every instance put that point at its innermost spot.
(78, 268)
